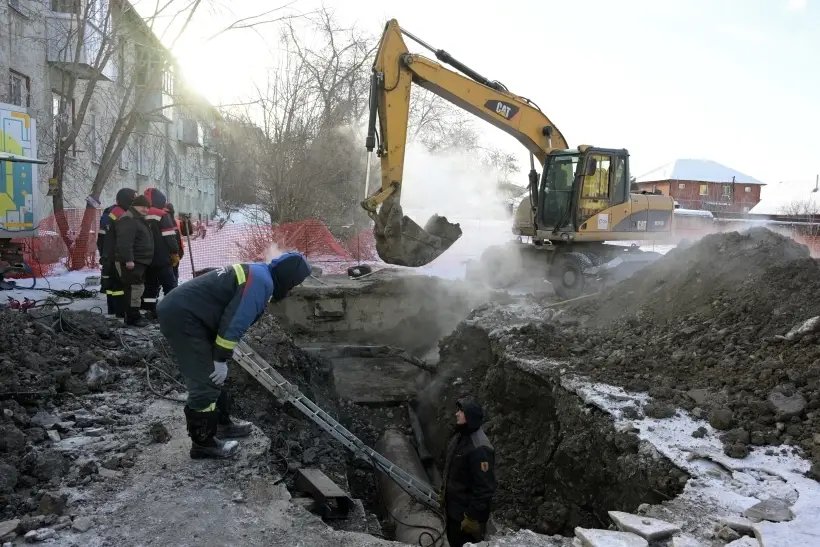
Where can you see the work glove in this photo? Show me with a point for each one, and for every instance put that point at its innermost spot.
(470, 526)
(220, 372)
(441, 498)
(174, 260)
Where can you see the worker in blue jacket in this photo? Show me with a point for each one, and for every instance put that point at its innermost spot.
(203, 320)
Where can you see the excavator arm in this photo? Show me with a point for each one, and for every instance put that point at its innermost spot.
(399, 240)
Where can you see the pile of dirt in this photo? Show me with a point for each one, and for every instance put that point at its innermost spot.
(708, 328)
(67, 381)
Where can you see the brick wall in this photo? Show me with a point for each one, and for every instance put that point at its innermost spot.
(690, 194)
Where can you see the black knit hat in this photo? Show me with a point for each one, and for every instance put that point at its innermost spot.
(141, 201)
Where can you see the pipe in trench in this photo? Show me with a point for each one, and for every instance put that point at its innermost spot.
(412, 519)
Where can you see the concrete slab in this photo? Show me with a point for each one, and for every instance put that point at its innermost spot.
(608, 538)
(646, 527)
(685, 541)
(375, 381)
(737, 523)
(772, 509)
(745, 541)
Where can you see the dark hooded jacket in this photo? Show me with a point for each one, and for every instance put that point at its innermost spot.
(469, 472)
(134, 242)
(106, 236)
(169, 208)
(163, 229)
(223, 304)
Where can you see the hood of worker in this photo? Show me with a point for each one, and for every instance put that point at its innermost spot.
(125, 197)
(156, 198)
(169, 207)
(287, 271)
(473, 412)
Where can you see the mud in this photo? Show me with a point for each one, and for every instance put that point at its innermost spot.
(559, 463)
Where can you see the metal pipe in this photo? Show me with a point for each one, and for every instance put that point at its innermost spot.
(412, 519)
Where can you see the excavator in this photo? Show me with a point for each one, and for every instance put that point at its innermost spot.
(576, 211)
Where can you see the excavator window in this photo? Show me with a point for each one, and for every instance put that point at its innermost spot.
(620, 192)
(595, 188)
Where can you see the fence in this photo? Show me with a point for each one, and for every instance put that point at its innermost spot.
(334, 248)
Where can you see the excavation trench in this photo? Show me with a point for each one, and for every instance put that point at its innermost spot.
(359, 353)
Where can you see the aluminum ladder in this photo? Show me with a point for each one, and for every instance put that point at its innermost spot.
(285, 391)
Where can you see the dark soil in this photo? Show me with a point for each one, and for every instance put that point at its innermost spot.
(549, 476)
(704, 329)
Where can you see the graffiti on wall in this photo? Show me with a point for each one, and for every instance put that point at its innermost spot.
(17, 179)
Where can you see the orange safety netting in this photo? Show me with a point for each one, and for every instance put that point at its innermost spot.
(211, 244)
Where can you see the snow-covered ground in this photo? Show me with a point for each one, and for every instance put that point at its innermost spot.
(728, 486)
(38, 289)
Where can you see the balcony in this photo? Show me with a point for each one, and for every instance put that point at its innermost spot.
(61, 47)
(154, 104)
(189, 133)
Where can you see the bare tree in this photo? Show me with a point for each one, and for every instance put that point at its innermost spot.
(307, 161)
(801, 207)
(117, 81)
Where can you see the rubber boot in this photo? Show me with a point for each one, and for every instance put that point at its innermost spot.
(202, 428)
(133, 318)
(110, 304)
(228, 428)
(119, 306)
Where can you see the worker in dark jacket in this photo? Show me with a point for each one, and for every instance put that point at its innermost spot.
(203, 320)
(166, 252)
(469, 477)
(133, 253)
(169, 208)
(110, 280)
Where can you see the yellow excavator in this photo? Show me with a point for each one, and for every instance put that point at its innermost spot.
(581, 201)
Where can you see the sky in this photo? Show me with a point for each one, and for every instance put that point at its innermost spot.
(713, 79)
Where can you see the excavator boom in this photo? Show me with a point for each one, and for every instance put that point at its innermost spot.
(399, 240)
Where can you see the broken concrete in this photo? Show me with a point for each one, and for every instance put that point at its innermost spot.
(773, 510)
(608, 538)
(745, 541)
(388, 307)
(648, 528)
(685, 541)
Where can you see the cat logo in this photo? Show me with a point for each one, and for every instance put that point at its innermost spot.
(485, 466)
(505, 110)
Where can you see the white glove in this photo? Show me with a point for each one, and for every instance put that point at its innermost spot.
(220, 372)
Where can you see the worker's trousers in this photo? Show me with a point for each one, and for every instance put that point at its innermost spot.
(114, 293)
(193, 346)
(133, 285)
(156, 277)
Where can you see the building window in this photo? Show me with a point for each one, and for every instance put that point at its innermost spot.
(727, 190)
(748, 189)
(142, 157)
(93, 138)
(704, 189)
(63, 110)
(65, 6)
(125, 157)
(681, 186)
(19, 89)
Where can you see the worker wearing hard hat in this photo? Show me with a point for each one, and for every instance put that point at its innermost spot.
(203, 320)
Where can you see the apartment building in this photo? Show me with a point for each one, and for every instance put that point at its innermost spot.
(52, 51)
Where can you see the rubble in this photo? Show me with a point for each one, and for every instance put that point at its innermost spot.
(609, 538)
(773, 510)
(648, 528)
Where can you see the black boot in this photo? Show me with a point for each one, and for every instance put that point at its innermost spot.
(229, 428)
(202, 430)
(133, 318)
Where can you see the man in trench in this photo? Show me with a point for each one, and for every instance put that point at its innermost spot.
(203, 320)
(469, 477)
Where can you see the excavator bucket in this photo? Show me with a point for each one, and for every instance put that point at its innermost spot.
(400, 241)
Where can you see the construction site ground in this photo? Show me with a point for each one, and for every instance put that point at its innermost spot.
(688, 393)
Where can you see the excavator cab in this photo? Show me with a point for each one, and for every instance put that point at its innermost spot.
(578, 185)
